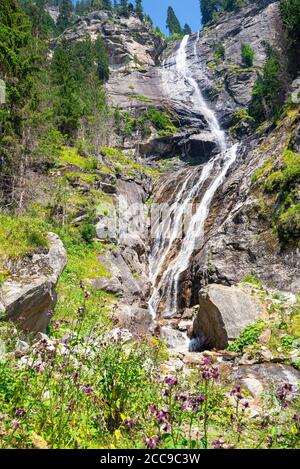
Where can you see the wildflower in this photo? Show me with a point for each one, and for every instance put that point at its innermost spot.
(282, 394)
(87, 390)
(130, 422)
(208, 371)
(218, 444)
(15, 424)
(296, 418)
(201, 398)
(87, 294)
(236, 392)
(171, 381)
(151, 443)
(20, 412)
(153, 409)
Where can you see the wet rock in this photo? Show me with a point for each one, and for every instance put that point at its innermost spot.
(174, 339)
(29, 296)
(224, 313)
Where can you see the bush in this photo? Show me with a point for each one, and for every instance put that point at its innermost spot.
(249, 336)
(247, 55)
(290, 13)
(266, 97)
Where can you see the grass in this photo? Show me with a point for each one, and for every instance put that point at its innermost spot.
(70, 157)
(20, 236)
(126, 164)
(253, 280)
(83, 264)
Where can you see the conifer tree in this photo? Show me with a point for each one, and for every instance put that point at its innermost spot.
(102, 60)
(68, 107)
(124, 7)
(139, 9)
(65, 14)
(186, 30)
(173, 24)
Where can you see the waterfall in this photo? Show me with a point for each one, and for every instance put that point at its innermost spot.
(184, 220)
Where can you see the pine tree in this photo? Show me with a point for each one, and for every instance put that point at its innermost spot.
(68, 108)
(124, 7)
(65, 14)
(42, 23)
(107, 4)
(19, 62)
(102, 60)
(290, 12)
(186, 30)
(173, 24)
(139, 9)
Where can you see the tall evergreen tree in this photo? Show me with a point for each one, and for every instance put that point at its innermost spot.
(139, 9)
(173, 24)
(42, 23)
(65, 14)
(107, 5)
(102, 60)
(68, 107)
(124, 7)
(19, 62)
(290, 12)
(186, 30)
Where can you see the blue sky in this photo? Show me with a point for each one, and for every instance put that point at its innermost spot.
(187, 11)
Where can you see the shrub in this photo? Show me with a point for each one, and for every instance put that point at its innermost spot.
(219, 51)
(247, 55)
(249, 336)
(266, 93)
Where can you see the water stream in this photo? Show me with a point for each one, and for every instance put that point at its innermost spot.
(179, 230)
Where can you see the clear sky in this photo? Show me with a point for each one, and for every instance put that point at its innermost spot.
(187, 11)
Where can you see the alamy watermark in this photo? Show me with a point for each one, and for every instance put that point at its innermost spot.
(2, 91)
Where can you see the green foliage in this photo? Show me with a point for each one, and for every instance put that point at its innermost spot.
(160, 120)
(102, 60)
(20, 236)
(211, 8)
(249, 336)
(247, 55)
(287, 177)
(70, 156)
(219, 51)
(253, 280)
(65, 15)
(77, 72)
(139, 8)
(290, 13)
(266, 98)
(42, 23)
(172, 23)
(186, 30)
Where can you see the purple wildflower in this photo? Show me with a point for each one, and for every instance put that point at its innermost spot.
(20, 412)
(218, 444)
(171, 381)
(151, 443)
(282, 394)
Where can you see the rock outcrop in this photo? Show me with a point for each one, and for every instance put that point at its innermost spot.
(223, 314)
(29, 296)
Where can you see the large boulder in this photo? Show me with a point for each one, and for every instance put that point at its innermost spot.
(29, 296)
(223, 314)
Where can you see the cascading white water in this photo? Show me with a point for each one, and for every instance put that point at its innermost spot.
(165, 266)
